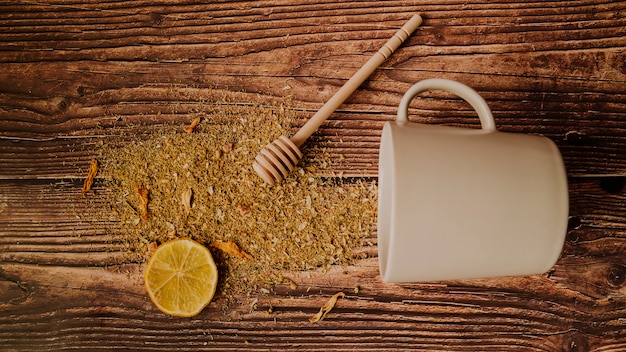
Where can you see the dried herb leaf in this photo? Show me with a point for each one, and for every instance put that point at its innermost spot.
(171, 230)
(231, 248)
(93, 170)
(143, 195)
(186, 200)
(217, 155)
(326, 308)
(193, 125)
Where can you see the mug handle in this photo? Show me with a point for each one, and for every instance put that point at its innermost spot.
(468, 94)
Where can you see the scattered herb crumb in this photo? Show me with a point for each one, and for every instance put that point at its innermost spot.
(327, 307)
(292, 284)
(152, 247)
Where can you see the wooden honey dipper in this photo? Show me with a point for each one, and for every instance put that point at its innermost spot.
(280, 157)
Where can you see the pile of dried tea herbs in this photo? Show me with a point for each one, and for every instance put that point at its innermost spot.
(200, 184)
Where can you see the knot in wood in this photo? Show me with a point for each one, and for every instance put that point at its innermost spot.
(61, 104)
(616, 275)
(156, 19)
(575, 342)
(573, 223)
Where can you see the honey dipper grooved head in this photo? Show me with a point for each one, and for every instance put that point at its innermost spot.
(277, 160)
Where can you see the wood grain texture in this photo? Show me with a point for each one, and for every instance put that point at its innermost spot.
(75, 72)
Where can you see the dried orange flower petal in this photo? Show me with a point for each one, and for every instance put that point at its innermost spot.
(193, 125)
(326, 308)
(231, 248)
(243, 210)
(93, 170)
(227, 148)
(143, 195)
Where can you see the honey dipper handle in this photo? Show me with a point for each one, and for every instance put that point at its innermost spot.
(355, 81)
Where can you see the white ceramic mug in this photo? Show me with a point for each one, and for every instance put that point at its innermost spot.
(457, 203)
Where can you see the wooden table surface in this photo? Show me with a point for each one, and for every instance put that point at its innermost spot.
(72, 70)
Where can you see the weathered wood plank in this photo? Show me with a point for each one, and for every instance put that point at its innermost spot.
(533, 313)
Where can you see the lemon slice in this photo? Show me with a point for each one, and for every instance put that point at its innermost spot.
(181, 277)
